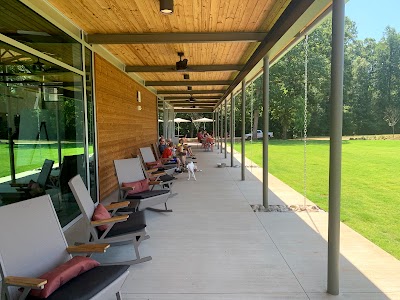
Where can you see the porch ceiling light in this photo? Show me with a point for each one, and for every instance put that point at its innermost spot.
(167, 7)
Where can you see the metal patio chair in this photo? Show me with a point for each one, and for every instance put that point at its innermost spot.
(152, 162)
(131, 176)
(37, 245)
(36, 188)
(118, 229)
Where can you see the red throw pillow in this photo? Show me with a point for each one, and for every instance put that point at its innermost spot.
(101, 213)
(138, 186)
(64, 273)
(154, 164)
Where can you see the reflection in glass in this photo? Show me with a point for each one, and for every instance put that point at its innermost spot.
(41, 118)
(25, 26)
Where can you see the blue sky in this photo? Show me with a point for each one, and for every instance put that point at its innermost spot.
(373, 16)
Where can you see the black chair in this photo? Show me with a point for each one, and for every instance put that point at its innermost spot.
(33, 188)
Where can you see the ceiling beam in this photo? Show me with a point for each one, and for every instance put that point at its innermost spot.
(193, 110)
(202, 68)
(290, 15)
(193, 104)
(184, 92)
(175, 37)
(188, 83)
(186, 97)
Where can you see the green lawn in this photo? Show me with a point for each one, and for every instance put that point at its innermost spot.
(370, 182)
(31, 156)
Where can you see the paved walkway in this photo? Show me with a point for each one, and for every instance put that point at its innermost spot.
(213, 246)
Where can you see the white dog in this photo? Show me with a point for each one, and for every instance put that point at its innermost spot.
(191, 167)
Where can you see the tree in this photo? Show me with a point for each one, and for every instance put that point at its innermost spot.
(387, 81)
(392, 116)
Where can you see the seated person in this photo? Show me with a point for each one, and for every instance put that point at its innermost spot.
(162, 145)
(168, 154)
(181, 154)
(186, 147)
(209, 142)
(200, 136)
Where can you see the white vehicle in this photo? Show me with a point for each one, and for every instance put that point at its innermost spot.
(260, 135)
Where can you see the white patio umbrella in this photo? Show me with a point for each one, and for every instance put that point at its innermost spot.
(180, 120)
(204, 120)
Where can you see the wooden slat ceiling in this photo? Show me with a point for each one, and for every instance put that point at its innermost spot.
(113, 17)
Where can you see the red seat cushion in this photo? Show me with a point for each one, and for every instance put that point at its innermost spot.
(101, 213)
(154, 164)
(64, 273)
(138, 186)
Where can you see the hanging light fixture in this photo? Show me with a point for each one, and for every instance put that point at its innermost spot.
(38, 66)
(167, 7)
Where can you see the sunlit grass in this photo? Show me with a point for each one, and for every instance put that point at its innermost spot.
(370, 182)
(31, 156)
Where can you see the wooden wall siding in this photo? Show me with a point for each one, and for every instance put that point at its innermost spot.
(121, 128)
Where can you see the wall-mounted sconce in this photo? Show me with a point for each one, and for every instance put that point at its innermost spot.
(139, 107)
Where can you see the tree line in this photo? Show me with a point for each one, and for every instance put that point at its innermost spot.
(371, 86)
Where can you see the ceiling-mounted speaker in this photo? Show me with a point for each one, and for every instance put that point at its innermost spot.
(181, 65)
(167, 7)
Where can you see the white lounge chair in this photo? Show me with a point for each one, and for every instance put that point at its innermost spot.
(165, 180)
(129, 172)
(149, 159)
(33, 243)
(120, 229)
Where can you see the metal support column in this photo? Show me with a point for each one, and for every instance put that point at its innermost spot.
(232, 126)
(164, 119)
(213, 125)
(221, 130)
(217, 130)
(226, 125)
(335, 161)
(265, 129)
(243, 129)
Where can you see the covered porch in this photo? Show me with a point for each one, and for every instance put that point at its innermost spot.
(213, 246)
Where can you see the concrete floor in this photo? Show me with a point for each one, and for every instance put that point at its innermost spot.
(213, 246)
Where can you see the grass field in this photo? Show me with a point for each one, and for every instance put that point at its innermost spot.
(31, 156)
(370, 182)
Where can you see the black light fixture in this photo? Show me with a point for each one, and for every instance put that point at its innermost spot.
(167, 7)
(189, 88)
(181, 65)
(186, 76)
(38, 66)
(191, 99)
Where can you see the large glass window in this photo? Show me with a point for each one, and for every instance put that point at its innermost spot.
(26, 26)
(42, 130)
